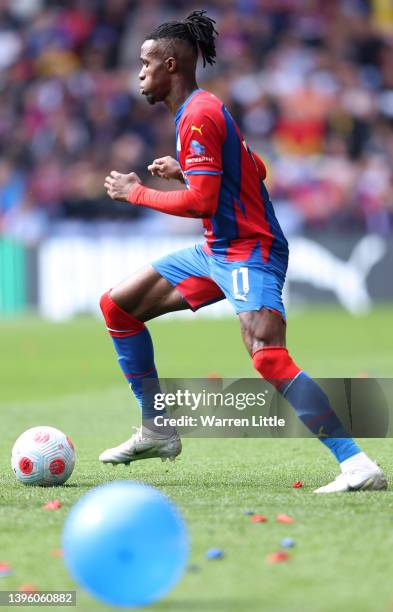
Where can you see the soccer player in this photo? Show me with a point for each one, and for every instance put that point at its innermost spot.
(244, 258)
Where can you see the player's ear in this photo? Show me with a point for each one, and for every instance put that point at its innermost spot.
(171, 64)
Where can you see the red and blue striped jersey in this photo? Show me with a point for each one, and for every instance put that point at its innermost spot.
(244, 224)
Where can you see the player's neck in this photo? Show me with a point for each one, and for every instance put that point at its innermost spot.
(179, 94)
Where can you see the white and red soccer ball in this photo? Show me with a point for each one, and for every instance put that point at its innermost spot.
(43, 456)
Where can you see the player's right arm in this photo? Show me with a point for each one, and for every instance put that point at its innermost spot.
(199, 200)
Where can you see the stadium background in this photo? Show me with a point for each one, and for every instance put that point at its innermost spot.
(309, 82)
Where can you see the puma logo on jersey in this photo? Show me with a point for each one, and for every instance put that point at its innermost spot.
(194, 128)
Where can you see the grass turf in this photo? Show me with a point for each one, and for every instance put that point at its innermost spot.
(66, 376)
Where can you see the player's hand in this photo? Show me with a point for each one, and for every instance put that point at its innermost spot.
(167, 168)
(119, 185)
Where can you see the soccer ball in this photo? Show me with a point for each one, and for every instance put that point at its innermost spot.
(43, 456)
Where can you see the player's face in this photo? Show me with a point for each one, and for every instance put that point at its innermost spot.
(154, 76)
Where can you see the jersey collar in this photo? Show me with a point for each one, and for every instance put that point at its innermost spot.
(183, 106)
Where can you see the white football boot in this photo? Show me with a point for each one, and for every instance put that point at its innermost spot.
(359, 473)
(144, 444)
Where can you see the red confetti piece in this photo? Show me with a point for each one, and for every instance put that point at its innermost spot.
(5, 568)
(278, 557)
(297, 484)
(28, 588)
(258, 518)
(53, 504)
(214, 376)
(284, 518)
(57, 552)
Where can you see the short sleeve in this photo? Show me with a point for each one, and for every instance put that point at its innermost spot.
(202, 136)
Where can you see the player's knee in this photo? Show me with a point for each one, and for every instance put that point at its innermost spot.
(274, 362)
(118, 321)
(105, 304)
(103, 300)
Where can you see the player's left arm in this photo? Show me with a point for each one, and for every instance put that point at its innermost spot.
(166, 168)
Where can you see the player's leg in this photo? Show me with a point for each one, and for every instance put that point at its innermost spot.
(176, 282)
(146, 295)
(256, 294)
(264, 333)
(264, 336)
(139, 298)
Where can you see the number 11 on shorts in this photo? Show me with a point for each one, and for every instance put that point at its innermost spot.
(240, 293)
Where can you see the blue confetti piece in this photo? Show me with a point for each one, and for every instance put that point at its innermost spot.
(5, 569)
(214, 553)
(249, 512)
(287, 543)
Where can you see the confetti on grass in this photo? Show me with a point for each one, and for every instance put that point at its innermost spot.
(214, 553)
(258, 518)
(27, 588)
(287, 543)
(297, 485)
(5, 569)
(284, 518)
(277, 557)
(52, 504)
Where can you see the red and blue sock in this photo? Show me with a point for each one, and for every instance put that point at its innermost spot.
(135, 353)
(307, 398)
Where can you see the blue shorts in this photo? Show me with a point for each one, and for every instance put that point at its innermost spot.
(203, 279)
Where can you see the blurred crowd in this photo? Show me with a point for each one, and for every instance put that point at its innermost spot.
(310, 83)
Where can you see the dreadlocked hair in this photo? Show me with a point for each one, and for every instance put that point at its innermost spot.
(197, 29)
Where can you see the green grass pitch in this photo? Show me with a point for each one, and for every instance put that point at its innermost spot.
(66, 375)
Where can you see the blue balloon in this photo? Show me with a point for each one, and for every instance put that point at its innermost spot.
(126, 543)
